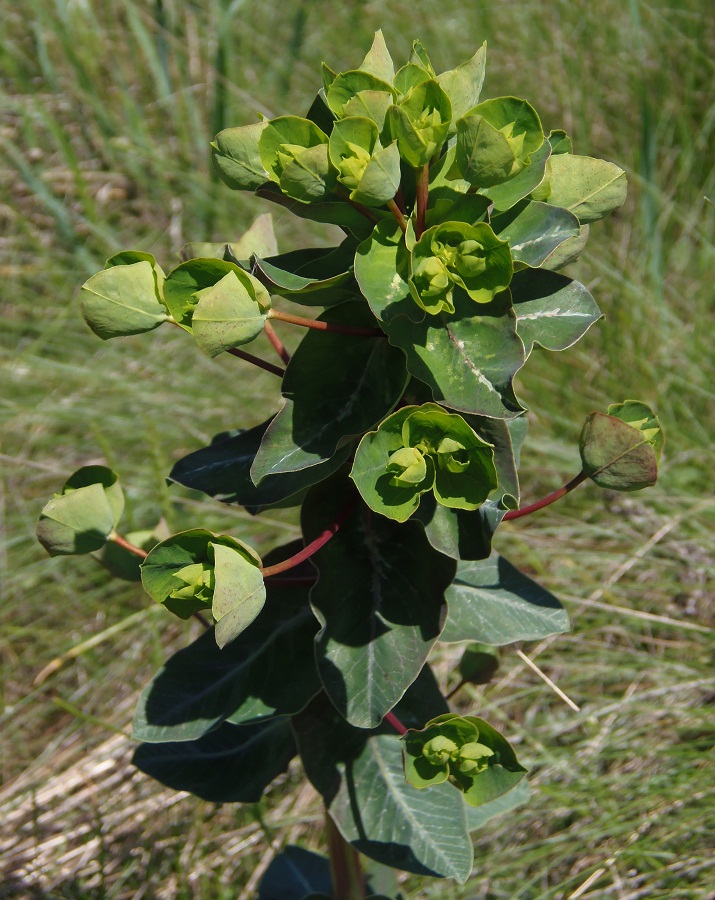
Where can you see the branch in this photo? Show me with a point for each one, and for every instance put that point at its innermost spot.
(546, 501)
(422, 199)
(257, 361)
(397, 213)
(395, 722)
(276, 342)
(324, 326)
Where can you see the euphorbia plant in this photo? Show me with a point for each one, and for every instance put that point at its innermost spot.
(398, 435)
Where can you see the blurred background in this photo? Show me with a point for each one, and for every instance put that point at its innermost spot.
(106, 110)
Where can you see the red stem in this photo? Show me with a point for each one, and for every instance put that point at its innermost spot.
(257, 361)
(277, 342)
(123, 542)
(422, 199)
(313, 546)
(400, 199)
(325, 326)
(397, 213)
(395, 722)
(546, 501)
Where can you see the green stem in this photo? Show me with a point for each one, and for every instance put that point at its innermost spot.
(422, 176)
(345, 868)
(313, 547)
(277, 343)
(546, 501)
(324, 326)
(398, 214)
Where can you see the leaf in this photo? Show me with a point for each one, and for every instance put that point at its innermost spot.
(506, 195)
(483, 154)
(226, 316)
(308, 177)
(282, 132)
(467, 360)
(222, 470)
(236, 157)
(620, 451)
(184, 284)
(327, 404)
(478, 816)
(123, 300)
(551, 310)
(463, 85)
(492, 602)
(379, 599)
(234, 764)
(568, 252)
(479, 664)
(331, 213)
(589, 188)
(378, 61)
(308, 272)
(258, 240)
(382, 266)
(81, 517)
(293, 872)
(202, 686)
(459, 533)
(535, 230)
(361, 778)
(348, 84)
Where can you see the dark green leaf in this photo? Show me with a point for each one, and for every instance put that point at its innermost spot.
(202, 685)
(468, 360)
(492, 602)
(459, 533)
(551, 310)
(234, 764)
(479, 664)
(293, 873)
(535, 230)
(310, 274)
(379, 599)
(223, 470)
(331, 213)
(326, 404)
(361, 778)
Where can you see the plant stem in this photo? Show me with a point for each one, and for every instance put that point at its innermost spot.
(364, 210)
(395, 722)
(313, 547)
(397, 213)
(422, 198)
(345, 868)
(123, 542)
(546, 501)
(277, 342)
(324, 326)
(400, 199)
(257, 361)
(457, 687)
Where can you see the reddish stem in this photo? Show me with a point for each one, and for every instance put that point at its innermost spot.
(422, 199)
(325, 326)
(400, 199)
(364, 210)
(257, 361)
(313, 547)
(277, 342)
(395, 722)
(546, 501)
(123, 542)
(397, 213)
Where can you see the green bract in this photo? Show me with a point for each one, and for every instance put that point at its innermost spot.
(420, 122)
(465, 751)
(419, 449)
(294, 152)
(197, 570)
(470, 257)
(370, 172)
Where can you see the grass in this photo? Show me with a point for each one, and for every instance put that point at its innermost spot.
(105, 115)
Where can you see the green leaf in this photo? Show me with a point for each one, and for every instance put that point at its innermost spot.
(379, 599)
(483, 156)
(308, 177)
(234, 764)
(620, 450)
(222, 470)
(369, 172)
(467, 360)
(506, 195)
(498, 779)
(420, 123)
(326, 405)
(202, 686)
(294, 871)
(361, 777)
(184, 284)
(197, 569)
(535, 230)
(463, 85)
(236, 157)
(382, 271)
(459, 533)
(258, 240)
(492, 602)
(227, 315)
(478, 816)
(350, 84)
(309, 272)
(378, 61)
(551, 310)
(125, 298)
(568, 252)
(286, 132)
(331, 213)
(422, 448)
(589, 188)
(560, 142)
(81, 517)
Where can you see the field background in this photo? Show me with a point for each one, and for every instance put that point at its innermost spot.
(106, 109)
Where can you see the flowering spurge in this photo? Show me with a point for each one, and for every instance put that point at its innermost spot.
(458, 255)
(465, 751)
(368, 170)
(419, 449)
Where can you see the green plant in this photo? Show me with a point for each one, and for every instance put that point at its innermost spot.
(399, 439)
